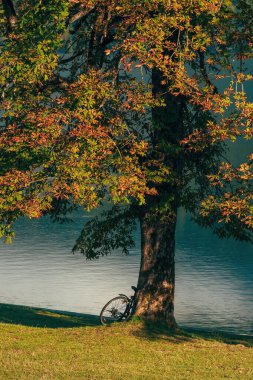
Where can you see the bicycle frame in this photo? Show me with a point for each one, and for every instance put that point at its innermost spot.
(131, 301)
(114, 314)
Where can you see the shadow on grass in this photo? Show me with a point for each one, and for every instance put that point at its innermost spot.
(35, 317)
(155, 331)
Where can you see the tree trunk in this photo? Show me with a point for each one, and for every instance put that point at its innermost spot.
(156, 284)
(10, 14)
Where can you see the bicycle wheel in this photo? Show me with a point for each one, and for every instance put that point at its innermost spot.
(115, 310)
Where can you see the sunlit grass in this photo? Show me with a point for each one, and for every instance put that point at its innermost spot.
(122, 351)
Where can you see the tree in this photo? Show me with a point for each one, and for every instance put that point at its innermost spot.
(133, 103)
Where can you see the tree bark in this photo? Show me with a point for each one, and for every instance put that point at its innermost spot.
(156, 284)
(10, 15)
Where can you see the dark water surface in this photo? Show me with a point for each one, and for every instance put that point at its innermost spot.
(214, 281)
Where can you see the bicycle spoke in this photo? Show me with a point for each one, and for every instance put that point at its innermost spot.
(115, 310)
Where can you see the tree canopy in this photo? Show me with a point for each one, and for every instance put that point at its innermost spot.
(120, 100)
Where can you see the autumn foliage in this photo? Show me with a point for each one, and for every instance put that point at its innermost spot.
(78, 104)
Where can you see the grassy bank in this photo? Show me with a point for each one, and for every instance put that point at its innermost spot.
(69, 346)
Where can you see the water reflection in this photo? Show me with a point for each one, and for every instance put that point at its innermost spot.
(214, 282)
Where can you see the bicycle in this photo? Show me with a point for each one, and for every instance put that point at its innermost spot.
(118, 309)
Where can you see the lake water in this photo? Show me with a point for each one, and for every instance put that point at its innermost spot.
(214, 281)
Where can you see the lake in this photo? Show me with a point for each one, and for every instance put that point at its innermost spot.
(214, 281)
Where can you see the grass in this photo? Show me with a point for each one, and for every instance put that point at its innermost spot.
(44, 344)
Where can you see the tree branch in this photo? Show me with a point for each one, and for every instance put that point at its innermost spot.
(69, 59)
(10, 14)
(82, 13)
(204, 73)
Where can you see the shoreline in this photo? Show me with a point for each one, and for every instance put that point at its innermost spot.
(13, 311)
